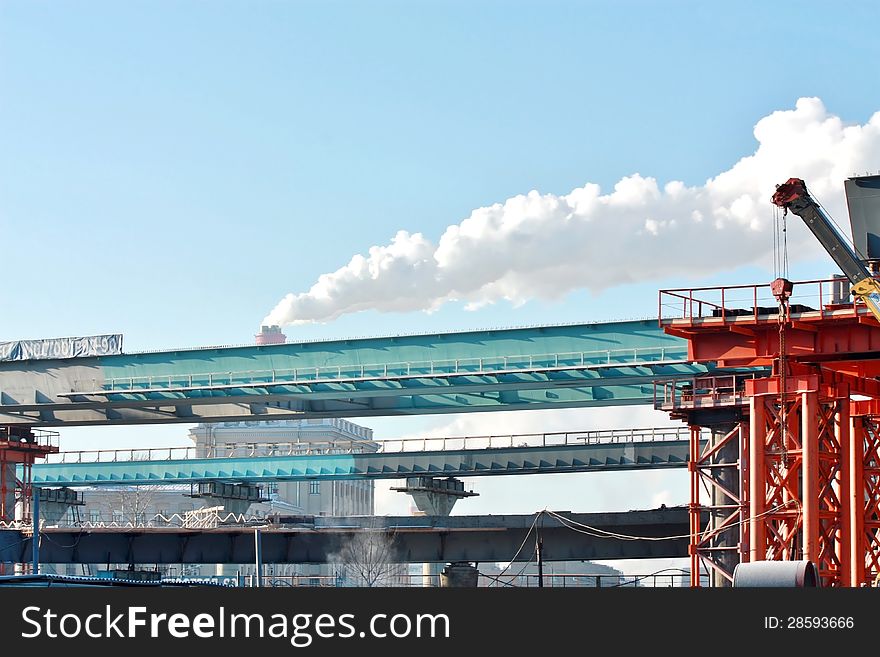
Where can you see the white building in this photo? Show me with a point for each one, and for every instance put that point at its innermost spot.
(155, 505)
(316, 497)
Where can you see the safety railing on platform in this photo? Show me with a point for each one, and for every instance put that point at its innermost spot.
(694, 392)
(421, 368)
(734, 302)
(394, 446)
(19, 433)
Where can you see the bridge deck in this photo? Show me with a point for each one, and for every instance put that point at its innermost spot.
(524, 454)
(542, 367)
(434, 539)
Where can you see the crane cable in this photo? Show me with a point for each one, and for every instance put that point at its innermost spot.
(780, 248)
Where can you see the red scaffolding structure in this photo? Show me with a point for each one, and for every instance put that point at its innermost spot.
(793, 470)
(20, 447)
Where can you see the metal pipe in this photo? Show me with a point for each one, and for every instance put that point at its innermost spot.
(539, 549)
(799, 574)
(860, 431)
(258, 555)
(694, 506)
(843, 435)
(810, 486)
(757, 494)
(35, 540)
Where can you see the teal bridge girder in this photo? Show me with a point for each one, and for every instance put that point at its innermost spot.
(626, 450)
(581, 365)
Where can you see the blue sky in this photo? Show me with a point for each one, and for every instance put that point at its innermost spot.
(169, 170)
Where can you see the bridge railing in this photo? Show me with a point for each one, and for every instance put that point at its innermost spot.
(394, 446)
(414, 580)
(734, 302)
(555, 439)
(385, 370)
(238, 450)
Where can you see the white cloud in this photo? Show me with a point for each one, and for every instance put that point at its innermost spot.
(545, 245)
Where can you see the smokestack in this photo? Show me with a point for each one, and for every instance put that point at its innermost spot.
(270, 335)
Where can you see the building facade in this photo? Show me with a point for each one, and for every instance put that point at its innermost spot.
(318, 436)
(187, 505)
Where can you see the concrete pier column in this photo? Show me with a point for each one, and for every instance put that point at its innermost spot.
(434, 496)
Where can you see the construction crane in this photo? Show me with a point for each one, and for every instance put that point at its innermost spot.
(793, 195)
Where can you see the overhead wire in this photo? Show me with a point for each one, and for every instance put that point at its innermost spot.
(639, 578)
(523, 544)
(602, 533)
(500, 581)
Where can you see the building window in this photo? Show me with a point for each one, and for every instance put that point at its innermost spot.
(94, 515)
(314, 487)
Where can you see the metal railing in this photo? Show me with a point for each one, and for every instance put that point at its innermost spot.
(395, 446)
(449, 366)
(699, 391)
(202, 518)
(19, 433)
(508, 441)
(416, 580)
(733, 302)
(186, 453)
(570, 580)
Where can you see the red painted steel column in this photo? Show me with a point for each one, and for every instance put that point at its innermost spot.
(810, 475)
(757, 495)
(694, 507)
(858, 544)
(844, 435)
(744, 469)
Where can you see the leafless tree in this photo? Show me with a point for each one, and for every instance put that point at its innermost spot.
(135, 504)
(367, 557)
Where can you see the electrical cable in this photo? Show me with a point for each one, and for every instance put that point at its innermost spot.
(602, 533)
(488, 576)
(523, 544)
(641, 577)
(775, 241)
(526, 565)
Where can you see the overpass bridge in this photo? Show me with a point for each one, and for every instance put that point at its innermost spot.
(566, 537)
(628, 449)
(578, 365)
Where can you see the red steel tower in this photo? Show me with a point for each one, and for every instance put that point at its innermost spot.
(793, 468)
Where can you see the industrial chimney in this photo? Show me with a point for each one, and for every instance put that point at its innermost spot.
(270, 335)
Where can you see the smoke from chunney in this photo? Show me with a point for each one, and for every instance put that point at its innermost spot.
(545, 245)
